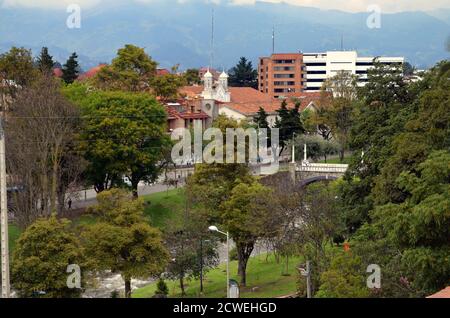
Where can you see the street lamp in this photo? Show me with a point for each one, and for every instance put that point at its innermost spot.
(213, 228)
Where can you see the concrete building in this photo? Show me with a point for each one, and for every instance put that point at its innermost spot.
(320, 66)
(291, 74)
(281, 75)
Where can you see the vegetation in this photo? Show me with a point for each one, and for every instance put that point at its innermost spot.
(40, 259)
(265, 279)
(123, 241)
(71, 69)
(243, 74)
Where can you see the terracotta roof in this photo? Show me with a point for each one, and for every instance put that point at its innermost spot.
(57, 72)
(174, 114)
(271, 105)
(162, 71)
(445, 293)
(91, 72)
(247, 100)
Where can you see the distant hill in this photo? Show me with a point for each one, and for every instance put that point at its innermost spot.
(180, 33)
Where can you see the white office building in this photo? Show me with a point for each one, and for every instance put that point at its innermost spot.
(320, 66)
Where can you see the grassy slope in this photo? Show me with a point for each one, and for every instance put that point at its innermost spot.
(267, 278)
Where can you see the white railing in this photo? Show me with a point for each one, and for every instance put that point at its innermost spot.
(322, 167)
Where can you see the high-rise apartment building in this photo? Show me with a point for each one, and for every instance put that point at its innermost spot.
(320, 66)
(286, 75)
(281, 74)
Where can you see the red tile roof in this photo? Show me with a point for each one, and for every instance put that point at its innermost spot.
(247, 100)
(445, 293)
(91, 72)
(162, 71)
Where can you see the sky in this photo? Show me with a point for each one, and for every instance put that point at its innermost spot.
(387, 6)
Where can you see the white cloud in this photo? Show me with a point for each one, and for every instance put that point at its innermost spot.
(362, 5)
(53, 4)
(344, 5)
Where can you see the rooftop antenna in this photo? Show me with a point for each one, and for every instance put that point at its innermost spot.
(212, 40)
(273, 39)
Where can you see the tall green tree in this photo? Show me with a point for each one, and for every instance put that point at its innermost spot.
(192, 76)
(336, 107)
(41, 257)
(45, 61)
(131, 70)
(123, 241)
(244, 216)
(289, 122)
(71, 69)
(384, 106)
(166, 86)
(243, 74)
(124, 135)
(16, 71)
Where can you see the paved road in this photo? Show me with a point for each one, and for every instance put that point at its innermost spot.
(86, 198)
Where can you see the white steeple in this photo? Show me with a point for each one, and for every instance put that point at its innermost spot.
(208, 92)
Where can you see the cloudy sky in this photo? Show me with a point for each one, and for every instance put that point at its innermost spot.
(345, 5)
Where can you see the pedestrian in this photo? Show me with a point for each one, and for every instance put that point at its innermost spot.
(69, 203)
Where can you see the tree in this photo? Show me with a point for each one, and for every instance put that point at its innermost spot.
(260, 119)
(124, 133)
(192, 251)
(317, 147)
(41, 257)
(16, 71)
(289, 123)
(42, 157)
(243, 74)
(192, 76)
(336, 107)
(161, 288)
(386, 104)
(244, 215)
(166, 86)
(71, 69)
(344, 278)
(408, 69)
(123, 241)
(45, 61)
(131, 70)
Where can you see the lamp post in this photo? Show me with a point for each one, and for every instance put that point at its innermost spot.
(215, 229)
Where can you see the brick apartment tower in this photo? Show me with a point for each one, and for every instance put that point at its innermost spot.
(281, 75)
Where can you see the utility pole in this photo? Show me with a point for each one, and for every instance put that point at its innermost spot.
(4, 216)
(308, 279)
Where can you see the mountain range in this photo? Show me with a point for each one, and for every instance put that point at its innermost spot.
(174, 33)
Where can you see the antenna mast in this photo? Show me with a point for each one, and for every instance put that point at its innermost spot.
(211, 62)
(273, 39)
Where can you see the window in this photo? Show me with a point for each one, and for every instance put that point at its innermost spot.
(284, 61)
(284, 75)
(317, 72)
(316, 64)
(364, 63)
(283, 68)
(316, 80)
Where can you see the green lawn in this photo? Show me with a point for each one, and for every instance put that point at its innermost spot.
(265, 279)
(165, 207)
(161, 208)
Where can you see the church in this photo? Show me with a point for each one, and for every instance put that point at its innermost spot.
(204, 103)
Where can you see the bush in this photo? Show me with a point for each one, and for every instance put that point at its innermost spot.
(233, 254)
(161, 288)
